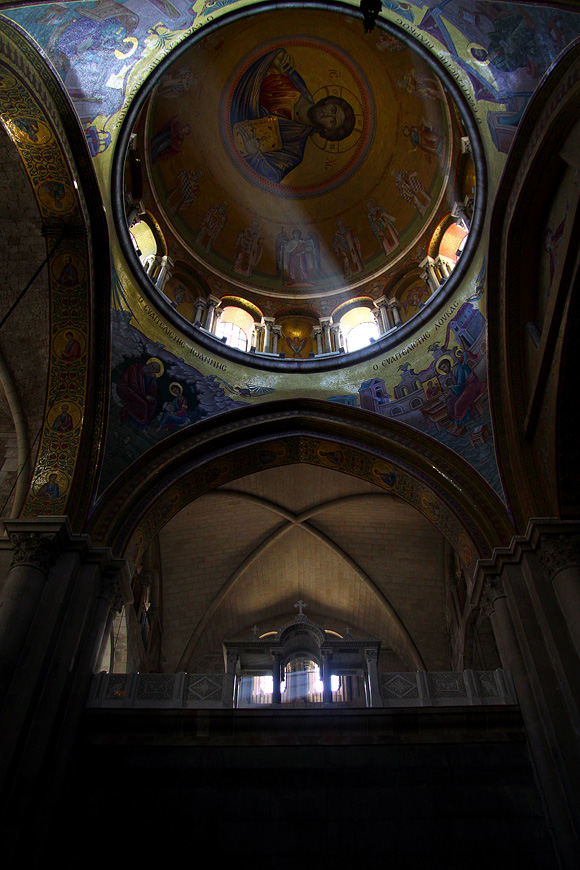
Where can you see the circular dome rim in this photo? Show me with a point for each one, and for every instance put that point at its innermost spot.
(276, 364)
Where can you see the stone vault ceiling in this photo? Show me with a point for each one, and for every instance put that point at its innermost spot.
(243, 555)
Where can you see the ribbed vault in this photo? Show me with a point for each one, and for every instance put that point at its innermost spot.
(244, 554)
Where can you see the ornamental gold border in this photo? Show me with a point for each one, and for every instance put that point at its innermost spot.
(26, 104)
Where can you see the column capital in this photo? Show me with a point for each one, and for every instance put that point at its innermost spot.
(492, 591)
(34, 549)
(557, 552)
(232, 658)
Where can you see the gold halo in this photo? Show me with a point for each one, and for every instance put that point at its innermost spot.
(161, 366)
(483, 48)
(440, 360)
(176, 384)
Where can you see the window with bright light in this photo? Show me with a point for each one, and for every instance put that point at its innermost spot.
(358, 327)
(234, 335)
(143, 239)
(453, 241)
(235, 326)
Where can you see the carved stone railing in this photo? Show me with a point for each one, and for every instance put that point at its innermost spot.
(406, 689)
(158, 691)
(447, 688)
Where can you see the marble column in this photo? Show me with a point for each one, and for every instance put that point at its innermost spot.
(395, 310)
(326, 677)
(382, 315)
(211, 306)
(337, 338)
(228, 695)
(164, 273)
(135, 210)
(494, 604)
(276, 336)
(458, 211)
(317, 335)
(325, 323)
(429, 274)
(560, 558)
(34, 553)
(372, 663)
(259, 336)
(109, 602)
(268, 323)
(276, 677)
(199, 309)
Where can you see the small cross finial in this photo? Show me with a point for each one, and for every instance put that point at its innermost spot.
(255, 630)
(347, 629)
(300, 606)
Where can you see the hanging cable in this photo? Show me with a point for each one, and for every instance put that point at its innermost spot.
(33, 279)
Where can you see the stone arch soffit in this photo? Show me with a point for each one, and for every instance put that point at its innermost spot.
(397, 459)
(292, 521)
(521, 408)
(43, 126)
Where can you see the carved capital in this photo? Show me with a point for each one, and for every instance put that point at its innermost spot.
(372, 655)
(492, 591)
(559, 551)
(33, 549)
(111, 590)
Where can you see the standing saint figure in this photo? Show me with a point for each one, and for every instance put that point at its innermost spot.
(185, 190)
(212, 223)
(410, 188)
(298, 258)
(420, 85)
(169, 140)
(273, 114)
(383, 227)
(346, 244)
(424, 138)
(248, 249)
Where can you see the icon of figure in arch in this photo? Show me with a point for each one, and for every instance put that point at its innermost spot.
(273, 114)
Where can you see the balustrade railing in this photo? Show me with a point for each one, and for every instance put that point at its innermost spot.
(404, 689)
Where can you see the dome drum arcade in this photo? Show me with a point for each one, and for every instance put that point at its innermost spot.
(296, 196)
